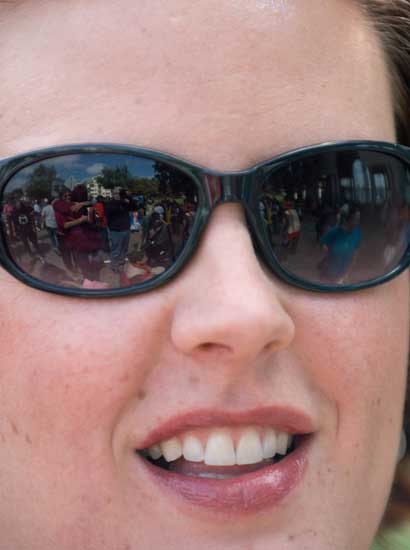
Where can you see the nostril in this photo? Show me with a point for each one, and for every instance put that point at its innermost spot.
(210, 346)
(207, 346)
(214, 347)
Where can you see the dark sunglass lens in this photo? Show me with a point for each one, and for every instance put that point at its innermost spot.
(338, 218)
(98, 221)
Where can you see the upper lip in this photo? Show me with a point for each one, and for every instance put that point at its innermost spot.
(284, 418)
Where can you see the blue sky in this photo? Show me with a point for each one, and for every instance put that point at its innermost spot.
(84, 166)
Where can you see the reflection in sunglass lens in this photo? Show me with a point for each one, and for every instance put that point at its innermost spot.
(338, 218)
(98, 221)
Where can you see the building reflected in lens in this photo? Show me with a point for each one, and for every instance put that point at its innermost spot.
(98, 221)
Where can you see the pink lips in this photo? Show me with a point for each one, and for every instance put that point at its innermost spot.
(248, 493)
(243, 494)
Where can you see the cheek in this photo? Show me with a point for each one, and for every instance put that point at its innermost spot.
(372, 355)
(358, 349)
(69, 366)
(355, 350)
(69, 371)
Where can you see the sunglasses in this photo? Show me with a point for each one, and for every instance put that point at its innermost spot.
(333, 217)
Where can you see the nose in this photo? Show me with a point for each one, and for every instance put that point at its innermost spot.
(226, 302)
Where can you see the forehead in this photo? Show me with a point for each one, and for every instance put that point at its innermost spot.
(223, 83)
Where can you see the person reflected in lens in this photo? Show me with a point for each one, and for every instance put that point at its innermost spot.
(37, 215)
(188, 217)
(143, 221)
(62, 207)
(8, 224)
(48, 220)
(340, 245)
(102, 223)
(80, 243)
(160, 247)
(24, 226)
(117, 212)
(326, 220)
(273, 215)
(290, 229)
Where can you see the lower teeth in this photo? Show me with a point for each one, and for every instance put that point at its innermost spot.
(162, 463)
(212, 476)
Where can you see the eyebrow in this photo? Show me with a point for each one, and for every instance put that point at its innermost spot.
(8, 5)
(11, 3)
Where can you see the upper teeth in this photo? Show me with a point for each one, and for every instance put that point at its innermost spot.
(219, 449)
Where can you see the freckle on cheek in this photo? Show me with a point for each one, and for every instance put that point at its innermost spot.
(14, 428)
(28, 439)
(141, 395)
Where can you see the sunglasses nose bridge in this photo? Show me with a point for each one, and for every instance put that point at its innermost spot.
(228, 187)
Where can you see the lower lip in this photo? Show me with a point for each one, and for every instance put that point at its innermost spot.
(244, 494)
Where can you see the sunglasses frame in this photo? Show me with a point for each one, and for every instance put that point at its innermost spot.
(235, 187)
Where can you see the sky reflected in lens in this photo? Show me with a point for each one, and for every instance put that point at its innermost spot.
(98, 221)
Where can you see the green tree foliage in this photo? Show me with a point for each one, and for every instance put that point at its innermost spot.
(115, 177)
(120, 177)
(173, 182)
(166, 182)
(40, 182)
(145, 186)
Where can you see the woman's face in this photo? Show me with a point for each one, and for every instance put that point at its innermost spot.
(84, 383)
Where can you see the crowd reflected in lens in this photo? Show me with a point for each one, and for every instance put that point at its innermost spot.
(338, 218)
(97, 221)
(106, 221)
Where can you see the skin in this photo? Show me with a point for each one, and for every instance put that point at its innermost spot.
(226, 85)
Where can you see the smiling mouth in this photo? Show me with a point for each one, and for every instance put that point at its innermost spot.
(222, 453)
(228, 464)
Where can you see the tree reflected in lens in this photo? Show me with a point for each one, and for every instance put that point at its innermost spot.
(338, 217)
(98, 221)
(107, 221)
